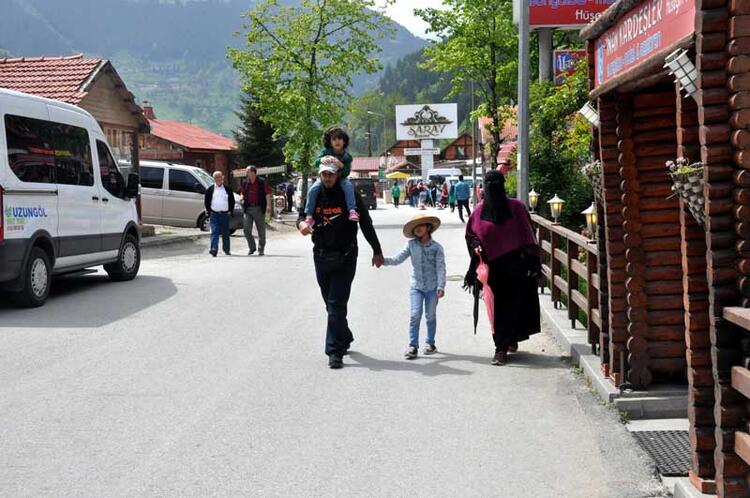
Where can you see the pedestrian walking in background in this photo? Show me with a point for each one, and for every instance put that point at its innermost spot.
(427, 281)
(256, 196)
(422, 189)
(503, 247)
(444, 195)
(290, 196)
(335, 254)
(463, 193)
(452, 197)
(396, 194)
(219, 203)
(412, 192)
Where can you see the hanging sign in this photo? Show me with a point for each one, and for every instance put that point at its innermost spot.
(566, 62)
(426, 121)
(651, 27)
(434, 151)
(569, 14)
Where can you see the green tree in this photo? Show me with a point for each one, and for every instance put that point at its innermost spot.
(299, 62)
(255, 138)
(477, 42)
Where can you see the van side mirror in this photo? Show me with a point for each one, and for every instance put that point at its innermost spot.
(131, 191)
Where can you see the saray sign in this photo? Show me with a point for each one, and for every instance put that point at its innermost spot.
(651, 27)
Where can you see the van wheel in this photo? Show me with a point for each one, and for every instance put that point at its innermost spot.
(127, 264)
(37, 280)
(204, 223)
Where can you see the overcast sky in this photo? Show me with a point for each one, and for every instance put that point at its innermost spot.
(402, 11)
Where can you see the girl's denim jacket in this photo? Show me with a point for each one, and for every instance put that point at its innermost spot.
(427, 264)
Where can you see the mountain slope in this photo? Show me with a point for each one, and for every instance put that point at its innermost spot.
(172, 53)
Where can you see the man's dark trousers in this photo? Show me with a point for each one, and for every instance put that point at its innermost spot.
(461, 205)
(335, 273)
(290, 202)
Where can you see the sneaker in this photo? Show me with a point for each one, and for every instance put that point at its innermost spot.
(227, 253)
(251, 252)
(260, 252)
(500, 358)
(429, 349)
(353, 215)
(513, 348)
(212, 253)
(411, 353)
(335, 361)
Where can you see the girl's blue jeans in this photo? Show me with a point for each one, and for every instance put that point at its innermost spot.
(314, 192)
(423, 301)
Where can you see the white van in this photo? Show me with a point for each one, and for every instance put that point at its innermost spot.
(64, 204)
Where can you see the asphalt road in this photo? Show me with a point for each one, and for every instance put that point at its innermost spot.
(207, 377)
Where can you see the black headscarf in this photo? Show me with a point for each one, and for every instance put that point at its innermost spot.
(495, 206)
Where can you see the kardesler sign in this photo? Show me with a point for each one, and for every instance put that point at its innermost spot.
(653, 26)
(426, 121)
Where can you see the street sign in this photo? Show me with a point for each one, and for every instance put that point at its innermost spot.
(566, 14)
(418, 152)
(426, 121)
(565, 62)
(641, 33)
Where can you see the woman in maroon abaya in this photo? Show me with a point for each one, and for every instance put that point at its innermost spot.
(500, 233)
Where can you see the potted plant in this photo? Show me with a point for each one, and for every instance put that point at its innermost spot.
(593, 171)
(687, 182)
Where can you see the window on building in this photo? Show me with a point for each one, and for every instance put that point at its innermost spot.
(183, 181)
(112, 180)
(73, 164)
(152, 177)
(30, 156)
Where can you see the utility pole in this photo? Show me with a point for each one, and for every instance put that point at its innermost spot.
(369, 138)
(545, 54)
(523, 103)
(473, 142)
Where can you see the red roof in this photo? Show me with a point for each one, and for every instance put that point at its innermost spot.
(190, 136)
(60, 78)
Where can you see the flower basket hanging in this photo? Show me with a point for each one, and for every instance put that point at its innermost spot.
(687, 183)
(593, 171)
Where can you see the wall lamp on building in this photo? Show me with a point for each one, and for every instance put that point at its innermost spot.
(683, 70)
(591, 221)
(555, 207)
(533, 200)
(591, 115)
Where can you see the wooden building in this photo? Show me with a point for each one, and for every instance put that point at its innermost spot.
(90, 83)
(674, 294)
(460, 149)
(187, 144)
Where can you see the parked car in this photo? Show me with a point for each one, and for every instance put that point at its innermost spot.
(366, 188)
(172, 194)
(64, 205)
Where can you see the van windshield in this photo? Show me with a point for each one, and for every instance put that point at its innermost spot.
(204, 177)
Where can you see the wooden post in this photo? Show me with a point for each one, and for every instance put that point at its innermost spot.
(555, 266)
(572, 252)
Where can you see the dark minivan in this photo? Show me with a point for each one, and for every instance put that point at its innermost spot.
(366, 188)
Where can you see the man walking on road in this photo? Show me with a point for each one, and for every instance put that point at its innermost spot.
(219, 203)
(463, 192)
(256, 196)
(396, 194)
(335, 256)
(290, 196)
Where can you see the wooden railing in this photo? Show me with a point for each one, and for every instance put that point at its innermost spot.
(741, 378)
(569, 267)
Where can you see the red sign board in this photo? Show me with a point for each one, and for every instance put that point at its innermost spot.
(565, 13)
(565, 62)
(651, 27)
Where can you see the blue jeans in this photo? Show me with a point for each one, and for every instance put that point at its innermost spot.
(220, 226)
(314, 192)
(427, 301)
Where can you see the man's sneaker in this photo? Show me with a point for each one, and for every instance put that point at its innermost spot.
(335, 361)
(251, 252)
(227, 253)
(500, 358)
(353, 215)
(411, 353)
(513, 348)
(429, 349)
(260, 252)
(212, 253)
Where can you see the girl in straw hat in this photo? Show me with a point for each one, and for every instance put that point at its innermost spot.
(427, 279)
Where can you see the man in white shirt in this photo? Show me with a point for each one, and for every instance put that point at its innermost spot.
(219, 202)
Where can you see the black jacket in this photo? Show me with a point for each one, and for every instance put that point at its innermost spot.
(333, 232)
(210, 195)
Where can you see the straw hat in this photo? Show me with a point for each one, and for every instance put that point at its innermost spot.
(420, 219)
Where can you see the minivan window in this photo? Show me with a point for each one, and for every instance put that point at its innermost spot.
(152, 177)
(73, 164)
(183, 181)
(30, 156)
(112, 180)
(207, 179)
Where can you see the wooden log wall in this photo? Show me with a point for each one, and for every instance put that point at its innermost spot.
(738, 100)
(717, 35)
(653, 243)
(612, 346)
(695, 301)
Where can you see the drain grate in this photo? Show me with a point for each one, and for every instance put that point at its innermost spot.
(669, 449)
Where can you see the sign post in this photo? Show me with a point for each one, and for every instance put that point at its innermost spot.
(426, 122)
